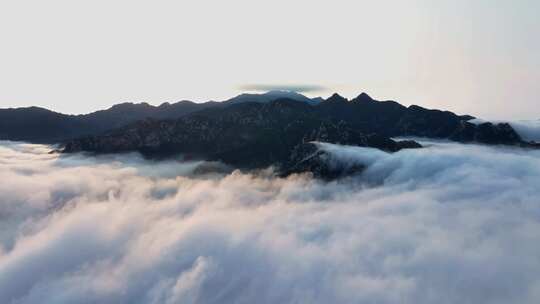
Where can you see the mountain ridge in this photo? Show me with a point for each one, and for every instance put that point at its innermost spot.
(362, 113)
(254, 131)
(255, 135)
(15, 125)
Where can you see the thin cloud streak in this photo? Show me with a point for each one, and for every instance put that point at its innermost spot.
(299, 88)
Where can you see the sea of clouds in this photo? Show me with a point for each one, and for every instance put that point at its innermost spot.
(449, 223)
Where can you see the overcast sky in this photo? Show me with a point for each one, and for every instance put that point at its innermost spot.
(476, 57)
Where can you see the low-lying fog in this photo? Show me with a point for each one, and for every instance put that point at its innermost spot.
(449, 223)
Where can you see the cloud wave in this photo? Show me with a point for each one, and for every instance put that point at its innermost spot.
(445, 224)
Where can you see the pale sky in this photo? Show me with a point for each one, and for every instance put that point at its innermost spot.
(475, 57)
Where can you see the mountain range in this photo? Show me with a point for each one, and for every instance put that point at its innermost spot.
(250, 130)
(39, 125)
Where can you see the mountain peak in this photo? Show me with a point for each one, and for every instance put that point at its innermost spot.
(364, 97)
(130, 105)
(286, 94)
(271, 96)
(336, 98)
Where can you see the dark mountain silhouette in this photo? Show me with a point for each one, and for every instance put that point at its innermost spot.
(246, 135)
(271, 96)
(40, 125)
(279, 132)
(251, 130)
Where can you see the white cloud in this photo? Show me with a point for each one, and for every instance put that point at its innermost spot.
(446, 224)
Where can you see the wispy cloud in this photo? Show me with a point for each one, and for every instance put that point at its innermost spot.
(299, 88)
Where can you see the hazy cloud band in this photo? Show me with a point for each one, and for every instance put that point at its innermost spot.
(300, 88)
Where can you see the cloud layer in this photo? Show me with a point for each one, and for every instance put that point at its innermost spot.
(445, 224)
